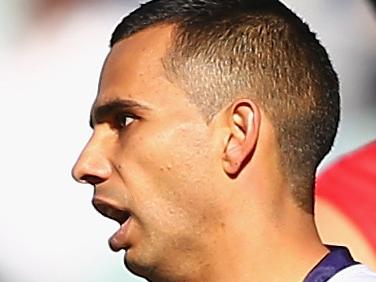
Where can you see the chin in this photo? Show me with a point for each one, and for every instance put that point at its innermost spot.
(149, 268)
(139, 265)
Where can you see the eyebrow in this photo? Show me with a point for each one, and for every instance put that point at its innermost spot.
(106, 111)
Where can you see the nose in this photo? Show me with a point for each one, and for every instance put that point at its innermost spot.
(93, 166)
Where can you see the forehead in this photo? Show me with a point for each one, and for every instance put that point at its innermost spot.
(134, 69)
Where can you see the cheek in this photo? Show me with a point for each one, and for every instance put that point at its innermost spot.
(171, 154)
(169, 173)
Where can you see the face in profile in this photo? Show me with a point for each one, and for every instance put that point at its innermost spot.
(152, 159)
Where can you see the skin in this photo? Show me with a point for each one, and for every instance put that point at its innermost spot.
(207, 200)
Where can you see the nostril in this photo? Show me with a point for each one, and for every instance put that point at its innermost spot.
(91, 179)
(92, 167)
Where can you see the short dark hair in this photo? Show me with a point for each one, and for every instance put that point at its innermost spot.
(258, 49)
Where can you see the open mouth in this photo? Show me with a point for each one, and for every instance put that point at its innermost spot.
(109, 210)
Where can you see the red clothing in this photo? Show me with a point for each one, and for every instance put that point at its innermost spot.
(350, 186)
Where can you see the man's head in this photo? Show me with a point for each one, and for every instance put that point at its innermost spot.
(211, 118)
(224, 50)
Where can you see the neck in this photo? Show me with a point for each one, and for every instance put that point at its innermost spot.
(286, 248)
(289, 253)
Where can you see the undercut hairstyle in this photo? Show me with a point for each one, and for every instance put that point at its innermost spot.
(256, 49)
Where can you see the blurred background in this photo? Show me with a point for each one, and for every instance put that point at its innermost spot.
(51, 53)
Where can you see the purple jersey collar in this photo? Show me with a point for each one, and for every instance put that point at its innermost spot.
(337, 259)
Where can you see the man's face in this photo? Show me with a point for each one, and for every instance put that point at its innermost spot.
(153, 160)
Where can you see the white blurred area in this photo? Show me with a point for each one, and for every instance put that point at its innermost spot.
(50, 64)
(50, 57)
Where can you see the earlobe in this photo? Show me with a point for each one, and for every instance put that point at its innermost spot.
(243, 118)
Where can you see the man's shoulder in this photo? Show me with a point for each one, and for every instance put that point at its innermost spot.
(355, 273)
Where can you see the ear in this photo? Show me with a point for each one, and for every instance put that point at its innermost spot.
(243, 121)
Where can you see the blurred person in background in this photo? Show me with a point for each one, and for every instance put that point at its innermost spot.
(346, 189)
(346, 203)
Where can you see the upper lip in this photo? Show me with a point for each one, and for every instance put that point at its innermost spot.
(110, 209)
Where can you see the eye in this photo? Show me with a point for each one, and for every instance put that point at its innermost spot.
(124, 119)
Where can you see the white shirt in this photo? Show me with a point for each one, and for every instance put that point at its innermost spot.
(354, 273)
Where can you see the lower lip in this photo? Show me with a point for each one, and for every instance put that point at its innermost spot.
(118, 241)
